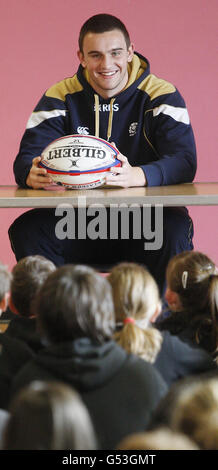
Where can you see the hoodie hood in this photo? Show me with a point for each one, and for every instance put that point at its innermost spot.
(24, 329)
(86, 364)
(18, 345)
(138, 70)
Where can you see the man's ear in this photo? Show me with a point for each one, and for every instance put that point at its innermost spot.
(80, 56)
(172, 299)
(131, 52)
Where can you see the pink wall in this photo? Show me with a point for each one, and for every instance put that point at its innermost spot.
(38, 47)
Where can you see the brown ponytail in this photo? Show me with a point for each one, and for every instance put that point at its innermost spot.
(213, 301)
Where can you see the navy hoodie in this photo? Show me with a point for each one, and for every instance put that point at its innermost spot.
(18, 345)
(120, 390)
(148, 121)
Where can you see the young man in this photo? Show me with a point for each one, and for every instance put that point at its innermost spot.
(114, 96)
(75, 315)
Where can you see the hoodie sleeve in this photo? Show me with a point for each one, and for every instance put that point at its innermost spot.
(46, 123)
(168, 131)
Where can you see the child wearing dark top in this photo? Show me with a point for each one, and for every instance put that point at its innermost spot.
(20, 341)
(192, 296)
(137, 305)
(75, 314)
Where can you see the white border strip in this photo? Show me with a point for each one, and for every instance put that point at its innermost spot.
(40, 116)
(179, 114)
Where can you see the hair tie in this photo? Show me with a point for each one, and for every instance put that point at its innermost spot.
(128, 320)
(184, 279)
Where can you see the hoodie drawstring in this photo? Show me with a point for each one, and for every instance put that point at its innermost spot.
(97, 120)
(96, 116)
(110, 120)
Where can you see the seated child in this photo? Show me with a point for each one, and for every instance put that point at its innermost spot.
(48, 416)
(192, 296)
(20, 341)
(196, 413)
(75, 314)
(137, 305)
(191, 407)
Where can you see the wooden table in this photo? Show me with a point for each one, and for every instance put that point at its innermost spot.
(188, 194)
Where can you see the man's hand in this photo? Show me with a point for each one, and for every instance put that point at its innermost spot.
(37, 177)
(125, 176)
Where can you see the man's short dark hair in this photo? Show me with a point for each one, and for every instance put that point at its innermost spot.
(28, 275)
(75, 302)
(100, 24)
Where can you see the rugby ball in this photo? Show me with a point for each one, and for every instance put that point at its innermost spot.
(79, 161)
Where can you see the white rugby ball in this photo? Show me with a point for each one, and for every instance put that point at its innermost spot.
(79, 161)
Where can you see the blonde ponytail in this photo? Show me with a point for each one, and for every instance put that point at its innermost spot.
(145, 343)
(136, 299)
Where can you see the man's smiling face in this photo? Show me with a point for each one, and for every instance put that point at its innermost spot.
(106, 56)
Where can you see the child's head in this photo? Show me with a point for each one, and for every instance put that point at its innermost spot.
(135, 293)
(196, 413)
(28, 275)
(5, 285)
(162, 438)
(75, 302)
(136, 303)
(48, 416)
(192, 282)
(192, 292)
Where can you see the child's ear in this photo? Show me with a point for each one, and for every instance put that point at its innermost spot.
(4, 303)
(173, 299)
(12, 306)
(156, 313)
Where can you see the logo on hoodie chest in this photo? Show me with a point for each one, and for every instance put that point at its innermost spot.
(133, 128)
(107, 107)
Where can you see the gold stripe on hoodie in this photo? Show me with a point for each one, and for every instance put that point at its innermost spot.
(155, 86)
(61, 89)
